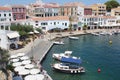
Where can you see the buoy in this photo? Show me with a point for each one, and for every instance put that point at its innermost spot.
(99, 70)
(110, 42)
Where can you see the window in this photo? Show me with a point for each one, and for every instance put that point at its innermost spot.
(44, 28)
(54, 23)
(0, 14)
(65, 24)
(2, 27)
(36, 21)
(4, 14)
(36, 24)
(9, 14)
(9, 19)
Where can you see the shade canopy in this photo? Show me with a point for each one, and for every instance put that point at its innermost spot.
(34, 71)
(26, 62)
(15, 60)
(17, 64)
(39, 77)
(29, 66)
(71, 60)
(19, 68)
(23, 72)
(30, 77)
(34, 77)
(24, 58)
(20, 54)
(13, 35)
(13, 56)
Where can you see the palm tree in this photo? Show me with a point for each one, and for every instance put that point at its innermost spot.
(85, 28)
(70, 25)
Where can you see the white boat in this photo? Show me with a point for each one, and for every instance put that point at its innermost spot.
(58, 56)
(58, 42)
(68, 68)
(95, 34)
(72, 37)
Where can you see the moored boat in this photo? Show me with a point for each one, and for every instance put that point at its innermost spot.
(72, 37)
(58, 42)
(68, 68)
(58, 56)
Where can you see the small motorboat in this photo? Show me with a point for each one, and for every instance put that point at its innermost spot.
(95, 34)
(68, 68)
(58, 56)
(74, 38)
(58, 42)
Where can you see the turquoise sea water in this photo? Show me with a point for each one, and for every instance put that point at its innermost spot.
(95, 52)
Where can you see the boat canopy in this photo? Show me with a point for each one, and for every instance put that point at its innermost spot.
(68, 52)
(71, 60)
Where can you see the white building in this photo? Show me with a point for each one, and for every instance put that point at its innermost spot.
(5, 18)
(9, 39)
(48, 23)
(95, 22)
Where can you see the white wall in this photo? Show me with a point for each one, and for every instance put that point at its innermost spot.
(5, 20)
(3, 40)
(51, 25)
(80, 11)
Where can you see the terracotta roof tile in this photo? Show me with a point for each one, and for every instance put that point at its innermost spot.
(107, 17)
(50, 18)
(5, 8)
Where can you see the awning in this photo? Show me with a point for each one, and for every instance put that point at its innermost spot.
(71, 60)
(13, 35)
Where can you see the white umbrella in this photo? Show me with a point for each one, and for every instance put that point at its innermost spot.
(17, 64)
(26, 62)
(34, 71)
(13, 56)
(15, 60)
(29, 66)
(23, 72)
(31, 33)
(30, 77)
(19, 68)
(20, 54)
(39, 77)
(34, 77)
(24, 58)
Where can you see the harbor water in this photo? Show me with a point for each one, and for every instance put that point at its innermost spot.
(95, 52)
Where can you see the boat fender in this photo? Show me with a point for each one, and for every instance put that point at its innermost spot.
(71, 71)
(78, 71)
(75, 71)
(99, 70)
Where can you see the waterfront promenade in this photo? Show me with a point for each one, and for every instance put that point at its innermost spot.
(39, 47)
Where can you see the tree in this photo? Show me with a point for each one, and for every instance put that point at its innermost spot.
(111, 4)
(22, 29)
(4, 58)
(70, 28)
(39, 30)
(85, 28)
(70, 25)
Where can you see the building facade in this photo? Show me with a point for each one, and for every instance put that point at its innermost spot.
(48, 23)
(115, 11)
(18, 12)
(98, 9)
(5, 18)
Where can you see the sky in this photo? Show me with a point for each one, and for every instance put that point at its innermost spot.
(86, 2)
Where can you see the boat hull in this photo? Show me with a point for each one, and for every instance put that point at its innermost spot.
(69, 71)
(66, 69)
